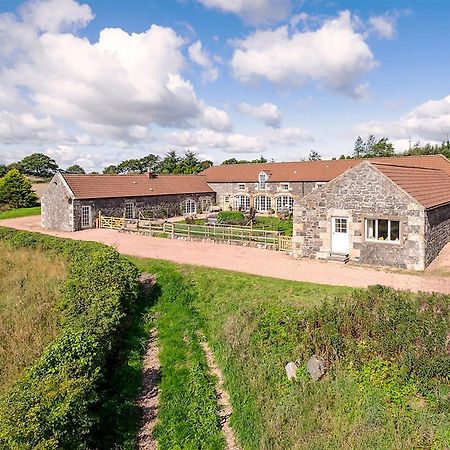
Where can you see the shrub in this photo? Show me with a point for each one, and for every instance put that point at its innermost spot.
(16, 191)
(55, 404)
(231, 217)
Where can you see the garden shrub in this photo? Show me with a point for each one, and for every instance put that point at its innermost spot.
(54, 406)
(231, 217)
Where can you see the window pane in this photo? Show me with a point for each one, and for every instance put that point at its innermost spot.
(395, 230)
(382, 229)
(370, 232)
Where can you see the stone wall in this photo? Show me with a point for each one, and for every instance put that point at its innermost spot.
(297, 189)
(361, 193)
(116, 206)
(57, 206)
(437, 231)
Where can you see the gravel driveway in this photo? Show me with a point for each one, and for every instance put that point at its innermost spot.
(256, 261)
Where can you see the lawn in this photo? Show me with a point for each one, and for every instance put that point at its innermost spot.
(387, 385)
(20, 212)
(30, 286)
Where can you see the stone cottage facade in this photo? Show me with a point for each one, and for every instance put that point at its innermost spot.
(270, 187)
(74, 202)
(377, 213)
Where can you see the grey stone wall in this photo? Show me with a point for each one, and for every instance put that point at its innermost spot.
(116, 206)
(437, 231)
(297, 189)
(361, 193)
(57, 206)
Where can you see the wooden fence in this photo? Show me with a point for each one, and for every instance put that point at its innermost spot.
(227, 233)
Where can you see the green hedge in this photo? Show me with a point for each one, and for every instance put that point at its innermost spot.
(55, 405)
(231, 217)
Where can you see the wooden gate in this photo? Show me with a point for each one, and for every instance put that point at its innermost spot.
(285, 244)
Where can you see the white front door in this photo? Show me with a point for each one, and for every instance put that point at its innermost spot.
(339, 235)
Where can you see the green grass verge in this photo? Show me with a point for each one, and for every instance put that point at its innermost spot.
(20, 212)
(388, 385)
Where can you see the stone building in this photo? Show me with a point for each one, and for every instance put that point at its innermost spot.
(387, 212)
(73, 202)
(270, 186)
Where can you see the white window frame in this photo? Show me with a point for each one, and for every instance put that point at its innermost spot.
(262, 181)
(284, 186)
(241, 202)
(267, 203)
(284, 203)
(189, 207)
(87, 224)
(375, 231)
(130, 211)
(241, 186)
(205, 204)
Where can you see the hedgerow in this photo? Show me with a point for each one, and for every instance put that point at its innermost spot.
(55, 405)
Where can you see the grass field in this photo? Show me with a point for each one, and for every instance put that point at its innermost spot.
(388, 385)
(20, 212)
(30, 286)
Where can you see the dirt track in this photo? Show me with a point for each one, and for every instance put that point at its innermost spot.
(255, 261)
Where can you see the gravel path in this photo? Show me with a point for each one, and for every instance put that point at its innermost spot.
(223, 400)
(255, 261)
(149, 398)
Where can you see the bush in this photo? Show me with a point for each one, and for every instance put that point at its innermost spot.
(231, 218)
(16, 191)
(55, 404)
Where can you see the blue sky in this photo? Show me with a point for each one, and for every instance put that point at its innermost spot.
(95, 82)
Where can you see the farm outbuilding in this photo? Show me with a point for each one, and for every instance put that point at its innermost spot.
(384, 212)
(74, 202)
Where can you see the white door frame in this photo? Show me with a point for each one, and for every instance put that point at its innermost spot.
(90, 216)
(340, 242)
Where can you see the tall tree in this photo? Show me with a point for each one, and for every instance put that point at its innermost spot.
(3, 170)
(16, 191)
(382, 148)
(76, 169)
(150, 162)
(359, 149)
(260, 160)
(170, 163)
(111, 170)
(230, 161)
(39, 165)
(314, 156)
(190, 164)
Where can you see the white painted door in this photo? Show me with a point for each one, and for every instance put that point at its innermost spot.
(339, 235)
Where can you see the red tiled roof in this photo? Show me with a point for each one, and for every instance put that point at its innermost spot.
(112, 186)
(324, 170)
(430, 187)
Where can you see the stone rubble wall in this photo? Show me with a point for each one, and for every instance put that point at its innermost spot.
(57, 206)
(297, 190)
(361, 193)
(115, 207)
(437, 231)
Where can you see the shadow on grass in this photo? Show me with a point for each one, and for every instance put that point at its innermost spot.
(120, 415)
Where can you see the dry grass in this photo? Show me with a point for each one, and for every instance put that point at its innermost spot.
(30, 285)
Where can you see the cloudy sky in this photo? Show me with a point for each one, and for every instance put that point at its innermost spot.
(98, 81)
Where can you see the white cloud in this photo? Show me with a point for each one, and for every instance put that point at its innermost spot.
(252, 11)
(236, 143)
(200, 57)
(118, 86)
(56, 15)
(335, 55)
(385, 26)
(268, 113)
(429, 121)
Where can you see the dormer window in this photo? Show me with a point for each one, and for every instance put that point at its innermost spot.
(262, 180)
